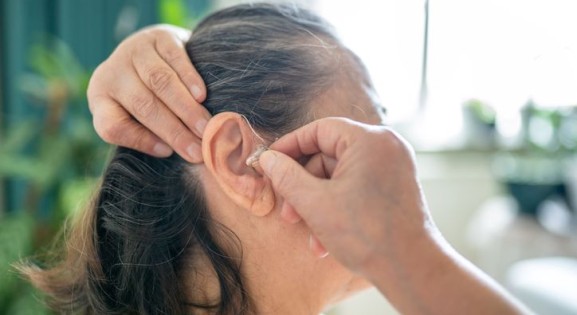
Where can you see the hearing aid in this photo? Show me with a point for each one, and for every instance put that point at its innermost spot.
(254, 157)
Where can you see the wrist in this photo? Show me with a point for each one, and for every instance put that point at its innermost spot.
(411, 261)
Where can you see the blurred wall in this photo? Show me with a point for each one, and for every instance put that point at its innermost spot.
(456, 184)
(2, 27)
(90, 28)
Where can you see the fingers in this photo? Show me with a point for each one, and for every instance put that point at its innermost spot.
(297, 186)
(154, 115)
(316, 247)
(171, 50)
(112, 122)
(151, 84)
(289, 214)
(319, 165)
(331, 136)
(162, 80)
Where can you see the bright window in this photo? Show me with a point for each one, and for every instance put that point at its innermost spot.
(501, 52)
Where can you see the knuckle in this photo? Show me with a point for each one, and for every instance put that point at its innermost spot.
(159, 79)
(95, 87)
(178, 135)
(158, 30)
(110, 133)
(172, 54)
(153, 31)
(139, 141)
(92, 82)
(144, 105)
(191, 78)
(395, 140)
(396, 144)
(92, 101)
(389, 137)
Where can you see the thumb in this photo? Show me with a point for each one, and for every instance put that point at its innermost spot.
(290, 179)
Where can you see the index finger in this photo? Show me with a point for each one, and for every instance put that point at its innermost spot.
(330, 136)
(161, 79)
(170, 47)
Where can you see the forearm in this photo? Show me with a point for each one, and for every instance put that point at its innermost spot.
(431, 278)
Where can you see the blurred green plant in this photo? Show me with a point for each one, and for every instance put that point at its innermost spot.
(481, 111)
(183, 13)
(479, 118)
(550, 131)
(55, 157)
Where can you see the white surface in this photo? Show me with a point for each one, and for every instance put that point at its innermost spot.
(499, 238)
(546, 285)
(370, 302)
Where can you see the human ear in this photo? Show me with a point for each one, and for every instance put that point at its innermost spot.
(228, 141)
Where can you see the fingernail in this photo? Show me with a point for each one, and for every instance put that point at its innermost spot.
(267, 161)
(194, 152)
(317, 248)
(162, 149)
(196, 92)
(200, 126)
(289, 214)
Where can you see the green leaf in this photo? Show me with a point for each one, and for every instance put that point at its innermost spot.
(35, 86)
(28, 303)
(43, 61)
(173, 12)
(75, 195)
(52, 60)
(54, 159)
(24, 167)
(15, 243)
(19, 136)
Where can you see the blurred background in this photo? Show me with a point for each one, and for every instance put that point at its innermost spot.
(486, 91)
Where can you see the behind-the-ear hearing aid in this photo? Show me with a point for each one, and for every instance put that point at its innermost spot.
(252, 160)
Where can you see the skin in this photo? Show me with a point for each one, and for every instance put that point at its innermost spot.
(359, 194)
(273, 252)
(146, 95)
(384, 231)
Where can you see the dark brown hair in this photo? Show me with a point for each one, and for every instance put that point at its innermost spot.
(130, 249)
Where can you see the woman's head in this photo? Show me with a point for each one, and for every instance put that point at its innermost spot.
(278, 67)
(166, 237)
(269, 63)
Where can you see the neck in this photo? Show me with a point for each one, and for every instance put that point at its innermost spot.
(284, 291)
(280, 273)
(272, 291)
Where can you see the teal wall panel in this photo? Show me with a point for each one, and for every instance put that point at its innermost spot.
(91, 28)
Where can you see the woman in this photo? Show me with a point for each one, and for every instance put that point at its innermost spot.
(388, 237)
(163, 236)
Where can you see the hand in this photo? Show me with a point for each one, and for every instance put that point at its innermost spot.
(359, 194)
(146, 95)
(371, 206)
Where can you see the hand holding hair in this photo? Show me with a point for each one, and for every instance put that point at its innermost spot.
(146, 95)
(370, 214)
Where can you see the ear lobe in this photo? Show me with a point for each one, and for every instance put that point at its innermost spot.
(227, 142)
